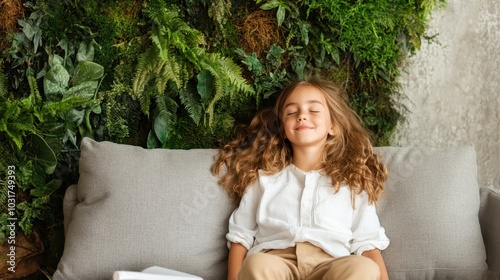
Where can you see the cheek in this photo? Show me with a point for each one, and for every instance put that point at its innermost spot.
(286, 129)
(288, 126)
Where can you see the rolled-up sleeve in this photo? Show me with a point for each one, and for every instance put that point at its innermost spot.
(242, 223)
(366, 229)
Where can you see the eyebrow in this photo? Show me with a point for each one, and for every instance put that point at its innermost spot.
(308, 102)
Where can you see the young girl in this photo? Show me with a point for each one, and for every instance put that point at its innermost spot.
(307, 182)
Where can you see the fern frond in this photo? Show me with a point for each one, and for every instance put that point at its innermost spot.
(171, 31)
(220, 82)
(191, 103)
(230, 72)
(23, 127)
(233, 73)
(35, 93)
(165, 103)
(145, 98)
(161, 75)
(187, 41)
(159, 13)
(219, 93)
(141, 88)
(160, 43)
(50, 108)
(168, 70)
(17, 130)
(12, 109)
(145, 63)
(228, 80)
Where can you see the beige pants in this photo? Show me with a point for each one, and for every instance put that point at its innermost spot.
(306, 262)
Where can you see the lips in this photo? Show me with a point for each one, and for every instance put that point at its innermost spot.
(302, 127)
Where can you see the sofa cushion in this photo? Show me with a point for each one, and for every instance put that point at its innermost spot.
(430, 213)
(138, 208)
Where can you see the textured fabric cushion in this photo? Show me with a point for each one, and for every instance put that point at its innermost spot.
(138, 208)
(489, 217)
(430, 213)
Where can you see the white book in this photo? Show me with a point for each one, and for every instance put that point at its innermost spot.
(154, 273)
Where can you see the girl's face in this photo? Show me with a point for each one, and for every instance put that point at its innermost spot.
(306, 117)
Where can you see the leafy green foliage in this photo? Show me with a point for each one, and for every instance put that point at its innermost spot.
(170, 64)
(122, 114)
(37, 127)
(361, 44)
(22, 136)
(24, 55)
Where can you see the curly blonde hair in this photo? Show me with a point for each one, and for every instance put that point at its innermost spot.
(347, 156)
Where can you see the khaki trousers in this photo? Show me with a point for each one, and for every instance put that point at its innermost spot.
(306, 262)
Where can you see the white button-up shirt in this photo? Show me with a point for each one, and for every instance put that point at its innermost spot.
(292, 206)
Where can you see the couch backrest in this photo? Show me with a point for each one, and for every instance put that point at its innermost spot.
(138, 208)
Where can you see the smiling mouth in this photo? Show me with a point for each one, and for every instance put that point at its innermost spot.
(302, 127)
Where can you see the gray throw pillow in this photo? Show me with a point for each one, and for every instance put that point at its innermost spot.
(140, 208)
(430, 213)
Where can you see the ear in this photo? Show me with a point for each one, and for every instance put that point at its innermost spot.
(283, 135)
(330, 131)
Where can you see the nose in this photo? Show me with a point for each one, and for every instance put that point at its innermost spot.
(301, 117)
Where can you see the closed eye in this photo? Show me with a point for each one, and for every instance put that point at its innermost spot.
(291, 113)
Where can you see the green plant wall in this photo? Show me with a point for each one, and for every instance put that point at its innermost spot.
(176, 74)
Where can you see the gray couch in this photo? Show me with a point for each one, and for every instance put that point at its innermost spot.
(134, 208)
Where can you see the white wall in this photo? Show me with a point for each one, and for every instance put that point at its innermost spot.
(453, 88)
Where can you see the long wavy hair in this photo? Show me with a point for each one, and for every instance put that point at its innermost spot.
(347, 156)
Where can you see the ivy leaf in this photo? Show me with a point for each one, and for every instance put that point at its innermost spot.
(56, 60)
(96, 108)
(152, 142)
(280, 15)
(85, 52)
(43, 155)
(63, 44)
(163, 126)
(206, 85)
(55, 82)
(25, 222)
(87, 71)
(298, 66)
(28, 29)
(39, 203)
(304, 31)
(46, 189)
(274, 55)
(270, 5)
(86, 90)
(72, 119)
(252, 62)
(75, 116)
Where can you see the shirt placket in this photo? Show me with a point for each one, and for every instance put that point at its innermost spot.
(306, 202)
